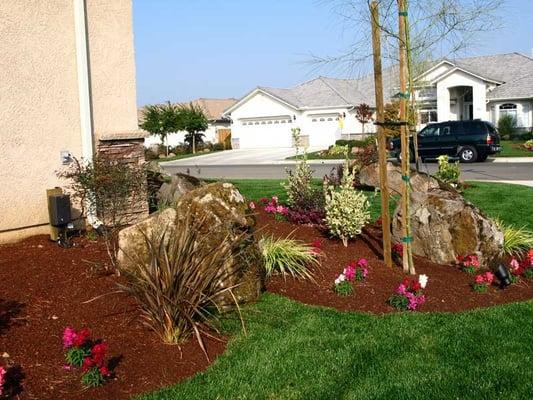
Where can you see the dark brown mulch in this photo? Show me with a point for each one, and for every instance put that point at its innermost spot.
(448, 288)
(43, 289)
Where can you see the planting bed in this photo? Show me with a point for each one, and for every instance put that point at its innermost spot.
(43, 289)
(448, 288)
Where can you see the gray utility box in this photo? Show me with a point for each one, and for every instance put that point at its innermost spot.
(59, 209)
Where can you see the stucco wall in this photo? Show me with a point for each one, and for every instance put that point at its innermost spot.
(39, 107)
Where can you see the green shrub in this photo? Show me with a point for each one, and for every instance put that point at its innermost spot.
(347, 210)
(218, 147)
(177, 289)
(529, 145)
(355, 143)
(447, 172)
(516, 241)
(300, 192)
(507, 125)
(288, 257)
(337, 150)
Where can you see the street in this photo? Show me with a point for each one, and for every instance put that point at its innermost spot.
(486, 171)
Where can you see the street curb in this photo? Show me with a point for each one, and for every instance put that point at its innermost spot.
(513, 160)
(521, 183)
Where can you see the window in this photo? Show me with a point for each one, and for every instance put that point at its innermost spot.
(445, 130)
(430, 131)
(313, 120)
(508, 109)
(427, 116)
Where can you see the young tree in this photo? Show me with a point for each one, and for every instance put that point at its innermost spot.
(194, 121)
(392, 115)
(364, 114)
(160, 120)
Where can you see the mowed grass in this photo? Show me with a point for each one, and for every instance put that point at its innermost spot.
(294, 351)
(512, 148)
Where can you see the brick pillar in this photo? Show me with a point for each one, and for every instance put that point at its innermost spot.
(128, 149)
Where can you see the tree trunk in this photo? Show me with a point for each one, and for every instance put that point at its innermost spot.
(382, 140)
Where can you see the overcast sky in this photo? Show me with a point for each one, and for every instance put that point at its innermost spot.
(224, 48)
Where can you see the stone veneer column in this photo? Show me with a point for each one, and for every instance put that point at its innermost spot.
(129, 149)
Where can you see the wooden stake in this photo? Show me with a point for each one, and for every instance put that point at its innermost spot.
(382, 140)
(404, 95)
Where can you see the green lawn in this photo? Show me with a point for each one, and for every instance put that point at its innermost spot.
(512, 149)
(294, 351)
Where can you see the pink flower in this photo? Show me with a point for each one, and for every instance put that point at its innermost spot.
(281, 210)
(251, 205)
(479, 279)
(514, 264)
(349, 272)
(363, 263)
(489, 277)
(2, 379)
(275, 199)
(270, 209)
(401, 289)
(69, 336)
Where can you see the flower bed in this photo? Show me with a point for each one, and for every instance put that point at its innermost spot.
(449, 288)
(45, 288)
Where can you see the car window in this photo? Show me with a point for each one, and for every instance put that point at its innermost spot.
(492, 129)
(430, 131)
(445, 130)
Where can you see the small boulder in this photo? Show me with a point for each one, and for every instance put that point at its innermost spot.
(420, 182)
(219, 212)
(179, 184)
(444, 225)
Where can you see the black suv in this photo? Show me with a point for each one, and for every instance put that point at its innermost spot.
(469, 141)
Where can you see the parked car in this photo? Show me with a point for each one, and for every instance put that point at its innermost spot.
(468, 141)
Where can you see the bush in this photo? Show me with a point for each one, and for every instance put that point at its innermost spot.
(529, 145)
(337, 150)
(347, 210)
(448, 173)
(218, 147)
(507, 125)
(288, 257)
(516, 241)
(356, 143)
(300, 193)
(177, 290)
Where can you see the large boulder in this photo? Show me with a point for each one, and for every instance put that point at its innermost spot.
(444, 225)
(420, 182)
(178, 184)
(219, 212)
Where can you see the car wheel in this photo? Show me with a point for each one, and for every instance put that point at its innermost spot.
(468, 154)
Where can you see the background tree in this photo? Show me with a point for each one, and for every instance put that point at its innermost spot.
(392, 115)
(160, 120)
(193, 120)
(364, 114)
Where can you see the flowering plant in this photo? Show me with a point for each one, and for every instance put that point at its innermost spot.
(397, 249)
(251, 205)
(81, 351)
(482, 281)
(469, 263)
(316, 247)
(409, 295)
(3, 373)
(354, 271)
(302, 216)
(272, 206)
(343, 286)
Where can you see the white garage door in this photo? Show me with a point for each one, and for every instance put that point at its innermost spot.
(265, 133)
(325, 129)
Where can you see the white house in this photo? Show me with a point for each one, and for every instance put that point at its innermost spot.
(483, 87)
(213, 109)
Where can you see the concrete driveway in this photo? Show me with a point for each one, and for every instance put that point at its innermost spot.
(238, 157)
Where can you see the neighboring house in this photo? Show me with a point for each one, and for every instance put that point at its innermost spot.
(67, 86)
(213, 109)
(483, 87)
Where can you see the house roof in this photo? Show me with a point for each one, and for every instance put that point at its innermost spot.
(213, 108)
(513, 72)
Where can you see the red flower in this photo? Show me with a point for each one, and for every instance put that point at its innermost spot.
(81, 337)
(104, 371)
(379, 221)
(88, 363)
(415, 286)
(397, 248)
(317, 246)
(98, 353)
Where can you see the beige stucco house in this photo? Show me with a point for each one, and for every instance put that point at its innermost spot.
(67, 85)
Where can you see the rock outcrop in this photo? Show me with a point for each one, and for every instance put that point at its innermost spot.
(179, 184)
(219, 212)
(444, 226)
(420, 182)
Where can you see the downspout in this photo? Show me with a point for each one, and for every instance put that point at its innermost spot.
(84, 95)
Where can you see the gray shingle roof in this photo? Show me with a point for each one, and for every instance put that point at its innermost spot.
(514, 69)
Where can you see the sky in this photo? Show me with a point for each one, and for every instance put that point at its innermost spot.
(186, 49)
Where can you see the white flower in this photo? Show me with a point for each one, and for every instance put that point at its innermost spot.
(423, 280)
(340, 279)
